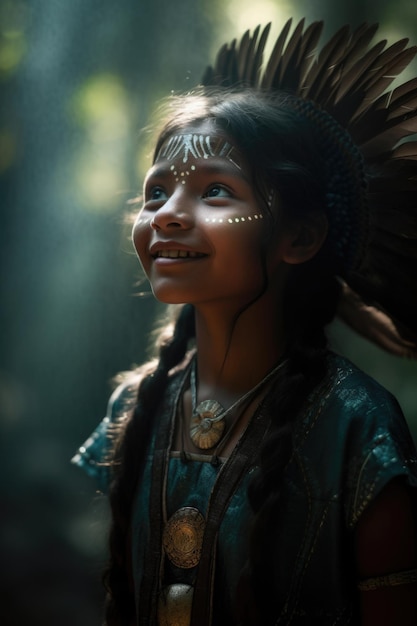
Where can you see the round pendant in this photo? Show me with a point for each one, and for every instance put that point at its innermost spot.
(207, 425)
(174, 606)
(183, 537)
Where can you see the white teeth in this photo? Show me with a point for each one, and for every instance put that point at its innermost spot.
(177, 254)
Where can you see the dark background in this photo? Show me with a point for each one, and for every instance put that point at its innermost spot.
(79, 79)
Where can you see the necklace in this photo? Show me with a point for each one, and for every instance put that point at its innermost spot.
(208, 419)
(229, 476)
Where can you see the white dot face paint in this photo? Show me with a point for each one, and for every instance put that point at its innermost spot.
(199, 146)
(195, 146)
(236, 220)
(190, 152)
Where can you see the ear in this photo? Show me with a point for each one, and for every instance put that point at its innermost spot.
(303, 238)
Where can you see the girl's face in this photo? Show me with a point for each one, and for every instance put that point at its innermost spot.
(199, 233)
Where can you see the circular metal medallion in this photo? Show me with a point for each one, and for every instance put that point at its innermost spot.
(207, 425)
(183, 537)
(174, 606)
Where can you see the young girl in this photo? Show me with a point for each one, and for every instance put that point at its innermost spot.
(255, 476)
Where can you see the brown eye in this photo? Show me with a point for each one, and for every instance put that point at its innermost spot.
(217, 191)
(157, 193)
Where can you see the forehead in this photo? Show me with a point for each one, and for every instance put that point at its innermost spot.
(201, 143)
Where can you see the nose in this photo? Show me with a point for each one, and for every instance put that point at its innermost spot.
(175, 213)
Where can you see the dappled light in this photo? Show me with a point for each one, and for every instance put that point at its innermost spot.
(245, 15)
(79, 82)
(100, 107)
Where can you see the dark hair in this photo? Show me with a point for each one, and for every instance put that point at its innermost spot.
(281, 151)
(274, 141)
(296, 149)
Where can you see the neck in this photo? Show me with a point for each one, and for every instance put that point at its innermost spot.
(233, 355)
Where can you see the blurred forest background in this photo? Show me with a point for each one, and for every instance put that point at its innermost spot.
(79, 79)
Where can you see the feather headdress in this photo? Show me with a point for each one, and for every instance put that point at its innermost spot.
(349, 79)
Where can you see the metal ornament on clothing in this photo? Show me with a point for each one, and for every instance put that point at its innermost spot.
(208, 419)
(207, 424)
(174, 606)
(183, 537)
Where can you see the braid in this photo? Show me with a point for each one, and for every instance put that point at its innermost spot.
(129, 459)
(305, 367)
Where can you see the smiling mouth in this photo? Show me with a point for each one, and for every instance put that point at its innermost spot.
(178, 254)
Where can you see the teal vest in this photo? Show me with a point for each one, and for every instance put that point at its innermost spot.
(349, 442)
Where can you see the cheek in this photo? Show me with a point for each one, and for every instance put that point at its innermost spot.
(231, 218)
(140, 238)
(238, 247)
(247, 246)
(235, 230)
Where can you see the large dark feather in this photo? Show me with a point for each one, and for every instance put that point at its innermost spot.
(259, 54)
(246, 53)
(406, 150)
(402, 92)
(358, 74)
(349, 78)
(359, 41)
(299, 57)
(290, 57)
(323, 72)
(308, 51)
(270, 79)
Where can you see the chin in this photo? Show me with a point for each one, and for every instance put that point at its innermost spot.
(168, 296)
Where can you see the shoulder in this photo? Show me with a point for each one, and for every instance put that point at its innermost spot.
(352, 383)
(355, 428)
(348, 399)
(364, 404)
(93, 455)
(124, 396)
